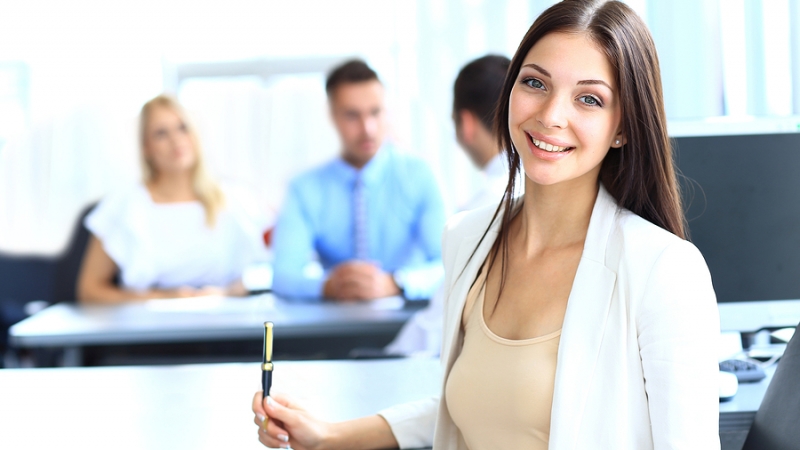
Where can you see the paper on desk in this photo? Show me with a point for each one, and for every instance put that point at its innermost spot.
(211, 303)
(784, 334)
(185, 304)
(390, 303)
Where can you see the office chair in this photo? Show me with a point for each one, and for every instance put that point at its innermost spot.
(69, 265)
(22, 279)
(776, 424)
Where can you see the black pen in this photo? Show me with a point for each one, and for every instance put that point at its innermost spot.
(266, 366)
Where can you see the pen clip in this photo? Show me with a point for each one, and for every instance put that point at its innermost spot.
(267, 342)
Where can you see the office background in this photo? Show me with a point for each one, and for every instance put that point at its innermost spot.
(73, 76)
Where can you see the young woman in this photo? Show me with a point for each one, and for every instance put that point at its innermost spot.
(176, 234)
(577, 317)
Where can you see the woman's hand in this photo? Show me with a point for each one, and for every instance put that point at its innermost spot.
(282, 423)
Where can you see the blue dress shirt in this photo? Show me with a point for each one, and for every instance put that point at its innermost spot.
(405, 218)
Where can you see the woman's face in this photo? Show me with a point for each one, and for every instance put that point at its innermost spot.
(168, 146)
(564, 111)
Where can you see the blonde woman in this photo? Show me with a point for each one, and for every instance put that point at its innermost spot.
(176, 234)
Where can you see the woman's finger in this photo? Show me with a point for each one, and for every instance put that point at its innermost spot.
(260, 420)
(270, 441)
(275, 430)
(287, 401)
(278, 411)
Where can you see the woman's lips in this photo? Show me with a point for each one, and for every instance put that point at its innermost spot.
(549, 151)
(547, 143)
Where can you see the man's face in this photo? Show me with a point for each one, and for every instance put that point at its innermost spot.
(358, 114)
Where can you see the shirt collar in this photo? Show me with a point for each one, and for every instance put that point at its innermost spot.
(372, 172)
(497, 166)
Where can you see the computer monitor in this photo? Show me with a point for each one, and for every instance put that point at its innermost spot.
(741, 195)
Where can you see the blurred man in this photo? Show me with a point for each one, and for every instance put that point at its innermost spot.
(475, 94)
(372, 218)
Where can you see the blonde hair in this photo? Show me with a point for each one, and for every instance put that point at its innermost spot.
(205, 188)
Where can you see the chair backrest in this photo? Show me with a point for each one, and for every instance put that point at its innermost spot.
(69, 266)
(777, 422)
(23, 279)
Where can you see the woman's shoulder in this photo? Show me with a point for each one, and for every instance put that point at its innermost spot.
(243, 203)
(117, 202)
(645, 248)
(115, 220)
(636, 228)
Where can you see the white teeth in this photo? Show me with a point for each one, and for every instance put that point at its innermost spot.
(548, 147)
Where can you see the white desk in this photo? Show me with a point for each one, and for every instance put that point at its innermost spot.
(210, 319)
(208, 405)
(190, 407)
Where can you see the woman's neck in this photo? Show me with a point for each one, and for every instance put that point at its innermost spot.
(171, 188)
(554, 216)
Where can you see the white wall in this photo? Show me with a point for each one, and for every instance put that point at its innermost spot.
(67, 124)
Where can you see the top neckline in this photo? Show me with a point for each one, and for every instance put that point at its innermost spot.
(149, 197)
(478, 307)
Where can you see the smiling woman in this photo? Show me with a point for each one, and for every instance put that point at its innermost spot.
(568, 311)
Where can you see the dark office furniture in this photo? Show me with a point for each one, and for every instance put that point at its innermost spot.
(22, 279)
(51, 279)
(777, 422)
(69, 264)
(741, 195)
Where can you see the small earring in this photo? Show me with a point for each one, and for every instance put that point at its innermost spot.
(616, 142)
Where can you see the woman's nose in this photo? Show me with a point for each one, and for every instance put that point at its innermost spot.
(554, 112)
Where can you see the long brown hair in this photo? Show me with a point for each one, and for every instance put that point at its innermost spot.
(205, 188)
(640, 175)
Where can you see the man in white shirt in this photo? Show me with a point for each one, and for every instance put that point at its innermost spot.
(475, 93)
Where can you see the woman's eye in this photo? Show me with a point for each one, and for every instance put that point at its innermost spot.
(534, 83)
(590, 100)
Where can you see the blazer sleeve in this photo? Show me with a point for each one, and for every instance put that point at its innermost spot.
(413, 423)
(678, 332)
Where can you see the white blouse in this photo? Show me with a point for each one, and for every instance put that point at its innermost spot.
(169, 245)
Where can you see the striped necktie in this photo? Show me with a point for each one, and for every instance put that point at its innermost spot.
(361, 238)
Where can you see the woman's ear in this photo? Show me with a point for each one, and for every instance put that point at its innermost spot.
(619, 140)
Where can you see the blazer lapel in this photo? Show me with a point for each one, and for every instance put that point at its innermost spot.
(584, 326)
(457, 296)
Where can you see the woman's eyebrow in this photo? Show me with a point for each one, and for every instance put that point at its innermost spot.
(590, 82)
(580, 83)
(540, 69)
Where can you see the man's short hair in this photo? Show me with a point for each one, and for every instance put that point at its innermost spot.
(353, 71)
(478, 87)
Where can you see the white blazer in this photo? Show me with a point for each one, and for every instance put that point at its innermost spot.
(637, 366)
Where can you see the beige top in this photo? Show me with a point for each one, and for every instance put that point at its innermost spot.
(500, 391)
